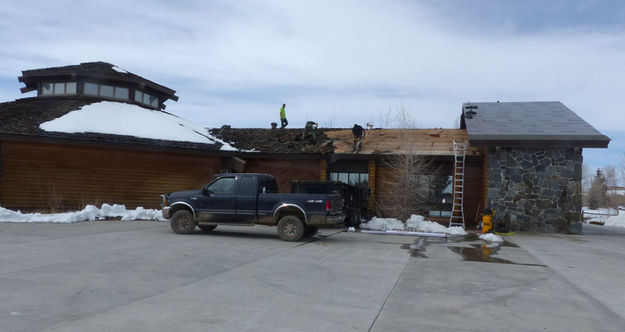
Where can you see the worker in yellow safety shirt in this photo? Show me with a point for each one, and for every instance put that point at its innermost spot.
(283, 120)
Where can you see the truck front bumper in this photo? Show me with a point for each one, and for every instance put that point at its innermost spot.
(165, 211)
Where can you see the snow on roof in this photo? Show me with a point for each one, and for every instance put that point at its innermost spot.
(119, 70)
(115, 118)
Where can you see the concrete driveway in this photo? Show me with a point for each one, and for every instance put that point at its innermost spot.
(139, 276)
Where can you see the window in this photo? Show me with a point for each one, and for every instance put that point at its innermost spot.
(150, 100)
(223, 186)
(58, 88)
(70, 88)
(46, 89)
(440, 194)
(106, 91)
(246, 186)
(355, 179)
(91, 89)
(121, 93)
(146, 99)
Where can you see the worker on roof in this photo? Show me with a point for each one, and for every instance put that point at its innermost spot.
(310, 132)
(359, 135)
(283, 120)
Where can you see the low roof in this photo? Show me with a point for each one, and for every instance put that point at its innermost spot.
(550, 122)
(427, 142)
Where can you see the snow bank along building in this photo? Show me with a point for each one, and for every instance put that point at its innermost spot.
(95, 133)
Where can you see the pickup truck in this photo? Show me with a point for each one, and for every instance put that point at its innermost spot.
(249, 199)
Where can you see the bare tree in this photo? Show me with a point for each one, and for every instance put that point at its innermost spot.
(609, 173)
(406, 176)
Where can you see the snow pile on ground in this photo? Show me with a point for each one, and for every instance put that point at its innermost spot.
(418, 223)
(414, 223)
(383, 224)
(617, 221)
(89, 213)
(115, 118)
(490, 237)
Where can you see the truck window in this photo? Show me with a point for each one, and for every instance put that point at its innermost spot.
(246, 186)
(270, 186)
(223, 186)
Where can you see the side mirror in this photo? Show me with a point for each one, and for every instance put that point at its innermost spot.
(206, 192)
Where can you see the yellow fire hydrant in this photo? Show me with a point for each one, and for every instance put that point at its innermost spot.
(487, 220)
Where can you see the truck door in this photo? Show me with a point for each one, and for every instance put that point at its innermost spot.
(246, 199)
(217, 203)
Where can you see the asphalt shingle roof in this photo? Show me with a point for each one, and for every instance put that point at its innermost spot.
(548, 121)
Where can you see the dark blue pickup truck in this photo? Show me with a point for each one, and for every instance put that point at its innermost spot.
(249, 199)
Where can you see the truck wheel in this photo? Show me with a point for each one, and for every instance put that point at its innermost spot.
(310, 231)
(207, 228)
(290, 228)
(182, 222)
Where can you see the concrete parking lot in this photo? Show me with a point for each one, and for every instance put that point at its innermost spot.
(139, 276)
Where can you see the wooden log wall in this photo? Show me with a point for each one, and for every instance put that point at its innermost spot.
(47, 177)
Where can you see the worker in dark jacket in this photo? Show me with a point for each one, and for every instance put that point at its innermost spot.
(283, 120)
(359, 136)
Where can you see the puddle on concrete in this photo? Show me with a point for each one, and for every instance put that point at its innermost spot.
(417, 249)
(484, 253)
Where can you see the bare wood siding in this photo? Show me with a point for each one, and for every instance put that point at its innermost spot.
(36, 175)
(285, 170)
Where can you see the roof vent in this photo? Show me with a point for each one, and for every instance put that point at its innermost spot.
(470, 113)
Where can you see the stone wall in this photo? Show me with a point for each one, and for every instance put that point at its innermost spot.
(536, 190)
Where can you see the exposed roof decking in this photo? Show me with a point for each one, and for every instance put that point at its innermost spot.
(426, 142)
(536, 122)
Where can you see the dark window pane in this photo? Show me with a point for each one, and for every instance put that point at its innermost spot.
(91, 89)
(59, 88)
(106, 91)
(138, 96)
(70, 88)
(46, 89)
(153, 101)
(121, 93)
(223, 186)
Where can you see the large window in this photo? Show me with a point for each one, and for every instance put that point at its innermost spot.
(146, 99)
(440, 195)
(356, 179)
(103, 90)
(58, 88)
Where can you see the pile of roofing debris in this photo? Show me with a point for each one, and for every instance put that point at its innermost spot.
(275, 140)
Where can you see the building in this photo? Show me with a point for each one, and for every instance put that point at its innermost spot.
(532, 167)
(96, 133)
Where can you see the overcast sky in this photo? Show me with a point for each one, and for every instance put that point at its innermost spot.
(339, 62)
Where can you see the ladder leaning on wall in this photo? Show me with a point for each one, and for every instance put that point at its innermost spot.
(457, 211)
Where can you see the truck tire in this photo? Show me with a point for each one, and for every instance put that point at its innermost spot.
(291, 228)
(310, 231)
(182, 222)
(207, 228)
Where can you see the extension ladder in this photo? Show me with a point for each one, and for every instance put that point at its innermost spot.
(457, 211)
